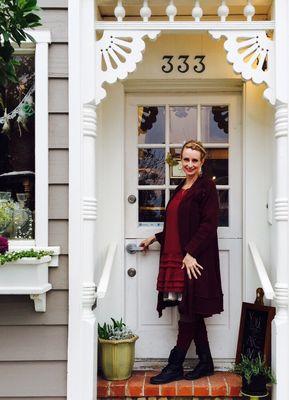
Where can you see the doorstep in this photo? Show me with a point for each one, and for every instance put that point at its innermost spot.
(222, 384)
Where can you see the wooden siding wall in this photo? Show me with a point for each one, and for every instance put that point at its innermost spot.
(33, 346)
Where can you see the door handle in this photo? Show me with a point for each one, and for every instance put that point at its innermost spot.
(132, 248)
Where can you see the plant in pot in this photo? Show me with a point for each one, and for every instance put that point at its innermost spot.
(116, 350)
(255, 376)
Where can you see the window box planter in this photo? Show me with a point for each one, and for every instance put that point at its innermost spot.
(27, 276)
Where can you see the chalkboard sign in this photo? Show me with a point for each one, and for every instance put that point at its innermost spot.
(255, 332)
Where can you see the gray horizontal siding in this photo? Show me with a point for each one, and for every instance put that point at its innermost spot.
(30, 379)
(53, 3)
(19, 310)
(57, 22)
(58, 60)
(58, 235)
(58, 95)
(58, 166)
(58, 202)
(34, 398)
(33, 343)
(58, 131)
(58, 277)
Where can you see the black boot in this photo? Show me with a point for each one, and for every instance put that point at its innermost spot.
(174, 370)
(205, 367)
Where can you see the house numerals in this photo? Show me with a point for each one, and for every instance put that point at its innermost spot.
(183, 64)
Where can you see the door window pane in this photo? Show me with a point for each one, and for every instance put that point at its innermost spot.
(183, 123)
(17, 158)
(174, 165)
(216, 165)
(151, 166)
(151, 124)
(151, 206)
(224, 207)
(215, 124)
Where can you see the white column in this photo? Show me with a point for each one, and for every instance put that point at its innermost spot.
(82, 337)
(280, 329)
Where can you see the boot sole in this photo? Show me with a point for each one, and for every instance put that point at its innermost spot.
(199, 377)
(168, 381)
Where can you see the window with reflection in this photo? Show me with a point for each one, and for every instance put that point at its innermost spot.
(162, 131)
(17, 154)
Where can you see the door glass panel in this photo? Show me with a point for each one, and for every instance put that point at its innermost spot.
(183, 123)
(151, 124)
(151, 206)
(216, 165)
(224, 207)
(174, 164)
(151, 166)
(215, 124)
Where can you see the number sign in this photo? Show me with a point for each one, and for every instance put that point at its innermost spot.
(255, 332)
(183, 64)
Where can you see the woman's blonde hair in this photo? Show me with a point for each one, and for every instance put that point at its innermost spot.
(195, 145)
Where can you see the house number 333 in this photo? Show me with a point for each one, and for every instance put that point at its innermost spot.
(183, 64)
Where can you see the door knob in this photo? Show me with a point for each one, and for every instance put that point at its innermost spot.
(132, 248)
(131, 272)
(131, 199)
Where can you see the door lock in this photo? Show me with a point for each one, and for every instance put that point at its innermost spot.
(131, 272)
(131, 199)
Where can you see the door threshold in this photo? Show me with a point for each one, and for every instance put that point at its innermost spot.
(144, 364)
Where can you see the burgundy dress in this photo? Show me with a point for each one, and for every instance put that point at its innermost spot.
(171, 277)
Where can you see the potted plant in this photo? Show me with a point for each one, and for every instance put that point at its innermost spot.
(117, 350)
(255, 376)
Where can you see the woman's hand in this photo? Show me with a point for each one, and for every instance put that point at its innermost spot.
(147, 242)
(193, 268)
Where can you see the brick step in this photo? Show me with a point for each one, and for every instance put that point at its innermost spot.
(224, 385)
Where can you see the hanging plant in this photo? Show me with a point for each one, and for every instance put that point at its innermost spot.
(15, 17)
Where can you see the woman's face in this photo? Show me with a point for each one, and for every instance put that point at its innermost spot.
(191, 162)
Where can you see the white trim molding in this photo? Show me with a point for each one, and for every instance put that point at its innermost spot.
(252, 55)
(117, 54)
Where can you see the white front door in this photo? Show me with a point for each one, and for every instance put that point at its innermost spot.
(156, 128)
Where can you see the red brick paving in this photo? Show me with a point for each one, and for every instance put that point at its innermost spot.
(219, 384)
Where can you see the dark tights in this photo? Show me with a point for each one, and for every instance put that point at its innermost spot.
(192, 329)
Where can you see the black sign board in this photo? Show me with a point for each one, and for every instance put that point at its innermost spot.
(255, 332)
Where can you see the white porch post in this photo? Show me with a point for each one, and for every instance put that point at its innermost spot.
(81, 382)
(280, 353)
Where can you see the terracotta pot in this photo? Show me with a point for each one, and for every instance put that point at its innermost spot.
(117, 358)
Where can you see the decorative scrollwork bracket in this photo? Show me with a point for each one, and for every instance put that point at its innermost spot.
(252, 55)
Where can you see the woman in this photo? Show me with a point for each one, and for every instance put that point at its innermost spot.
(189, 274)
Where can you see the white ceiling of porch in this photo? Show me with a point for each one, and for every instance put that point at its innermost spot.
(132, 7)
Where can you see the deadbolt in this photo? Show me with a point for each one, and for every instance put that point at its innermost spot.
(131, 199)
(131, 272)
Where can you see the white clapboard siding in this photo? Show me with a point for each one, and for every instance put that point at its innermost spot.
(35, 378)
(58, 60)
(58, 233)
(19, 310)
(58, 277)
(58, 95)
(56, 22)
(58, 166)
(58, 131)
(33, 343)
(58, 202)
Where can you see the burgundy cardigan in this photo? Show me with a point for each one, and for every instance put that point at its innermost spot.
(197, 224)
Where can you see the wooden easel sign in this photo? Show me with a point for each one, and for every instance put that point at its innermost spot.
(255, 332)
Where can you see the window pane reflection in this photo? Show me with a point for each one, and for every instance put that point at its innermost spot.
(215, 124)
(151, 124)
(176, 172)
(183, 123)
(151, 163)
(224, 207)
(17, 158)
(151, 206)
(216, 165)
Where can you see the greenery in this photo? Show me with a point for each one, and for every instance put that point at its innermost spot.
(15, 17)
(17, 255)
(253, 367)
(115, 331)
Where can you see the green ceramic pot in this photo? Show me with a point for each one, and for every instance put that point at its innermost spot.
(117, 358)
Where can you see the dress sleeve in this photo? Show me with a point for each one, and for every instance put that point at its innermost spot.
(160, 237)
(209, 211)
